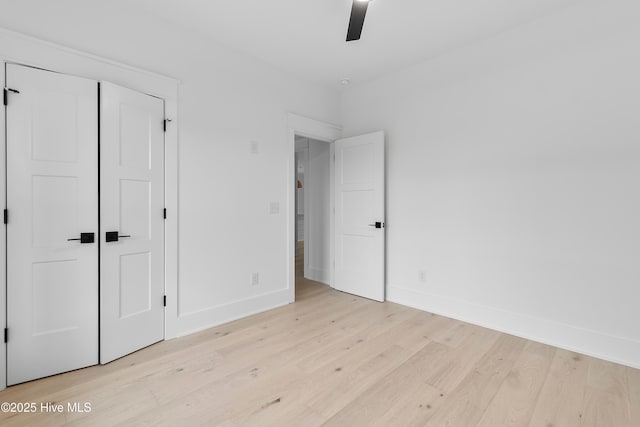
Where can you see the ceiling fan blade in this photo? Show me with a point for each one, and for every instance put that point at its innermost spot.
(358, 11)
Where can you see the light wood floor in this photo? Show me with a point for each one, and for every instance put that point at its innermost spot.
(338, 360)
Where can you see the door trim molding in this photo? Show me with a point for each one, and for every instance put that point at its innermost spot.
(4, 32)
(22, 49)
(322, 131)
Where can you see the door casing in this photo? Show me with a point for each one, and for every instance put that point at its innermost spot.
(321, 131)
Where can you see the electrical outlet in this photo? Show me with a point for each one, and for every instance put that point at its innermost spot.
(255, 279)
(274, 208)
(422, 276)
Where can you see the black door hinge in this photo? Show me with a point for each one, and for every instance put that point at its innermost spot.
(6, 216)
(6, 95)
(6, 335)
(165, 301)
(164, 213)
(164, 124)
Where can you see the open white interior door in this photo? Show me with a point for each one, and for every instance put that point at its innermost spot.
(52, 201)
(359, 216)
(131, 222)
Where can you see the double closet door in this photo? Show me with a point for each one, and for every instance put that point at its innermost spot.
(85, 227)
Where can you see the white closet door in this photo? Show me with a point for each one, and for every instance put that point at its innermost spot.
(359, 218)
(132, 221)
(52, 197)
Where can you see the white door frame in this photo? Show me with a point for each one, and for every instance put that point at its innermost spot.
(321, 131)
(26, 50)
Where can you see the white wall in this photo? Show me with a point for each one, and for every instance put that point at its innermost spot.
(317, 212)
(513, 179)
(226, 101)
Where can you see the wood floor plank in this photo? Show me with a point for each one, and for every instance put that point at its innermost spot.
(374, 403)
(515, 402)
(355, 382)
(633, 381)
(467, 403)
(371, 329)
(336, 387)
(562, 395)
(455, 334)
(602, 408)
(607, 395)
(607, 376)
(448, 374)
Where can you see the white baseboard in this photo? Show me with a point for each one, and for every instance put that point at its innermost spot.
(588, 342)
(192, 322)
(317, 275)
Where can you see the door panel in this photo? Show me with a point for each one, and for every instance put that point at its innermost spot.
(135, 215)
(132, 203)
(52, 181)
(359, 202)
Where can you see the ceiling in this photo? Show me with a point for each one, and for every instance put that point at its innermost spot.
(306, 37)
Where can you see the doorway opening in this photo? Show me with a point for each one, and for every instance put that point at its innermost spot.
(313, 208)
(356, 205)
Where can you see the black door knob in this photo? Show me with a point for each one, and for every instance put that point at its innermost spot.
(85, 238)
(113, 236)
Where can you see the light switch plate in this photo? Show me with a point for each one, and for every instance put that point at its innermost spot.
(422, 276)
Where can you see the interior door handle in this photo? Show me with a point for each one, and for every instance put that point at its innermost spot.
(377, 224)
(84, 238)
(113, 236)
